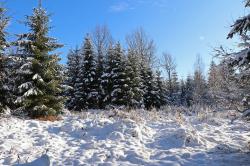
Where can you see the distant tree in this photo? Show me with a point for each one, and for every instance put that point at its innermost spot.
(183, 93)
(214, 81)
(170, 66)
(144, 47)
(161, 92)
(200, 86)
(189, 97)
(39, 93)
(175, 96)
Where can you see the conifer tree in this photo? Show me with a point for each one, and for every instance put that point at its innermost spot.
(107, 80)
(175, 89)
(90, 82)
(73, 68)
(149, 87)
(213, 81)
(135, 94)
(120, 87)
(3, 44)
(101, 40)
(189, 91)
(39, 93)
(100, 70)
(161, 91)
(200, 86)
(79, 100)
(241, 60)
(183, 93)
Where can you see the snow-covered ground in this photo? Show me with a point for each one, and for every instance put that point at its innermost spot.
(121, 138)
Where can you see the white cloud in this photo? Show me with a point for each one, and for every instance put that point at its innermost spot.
(120, 7)
(125, 5)
(202, 38)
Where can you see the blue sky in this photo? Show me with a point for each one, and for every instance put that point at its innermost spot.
(183, 28)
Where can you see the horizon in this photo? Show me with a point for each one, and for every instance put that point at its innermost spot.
(199, 35)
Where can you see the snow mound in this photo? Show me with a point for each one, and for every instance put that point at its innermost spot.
(178, 138)
(223, 148)
(44, 160)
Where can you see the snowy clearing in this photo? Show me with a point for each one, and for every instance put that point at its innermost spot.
(121, 138)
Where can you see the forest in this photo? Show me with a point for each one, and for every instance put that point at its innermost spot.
(101, 74)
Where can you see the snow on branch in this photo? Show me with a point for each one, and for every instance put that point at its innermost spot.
(240, 26)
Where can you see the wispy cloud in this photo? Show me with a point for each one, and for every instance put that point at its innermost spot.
(125, 5)
(120, 7)
(202, 38)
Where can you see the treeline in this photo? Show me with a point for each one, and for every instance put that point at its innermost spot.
(104, 74)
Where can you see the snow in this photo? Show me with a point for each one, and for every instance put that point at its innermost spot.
(125, 138)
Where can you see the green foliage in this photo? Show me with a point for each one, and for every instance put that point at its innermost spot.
(41, 73)
(3, 44)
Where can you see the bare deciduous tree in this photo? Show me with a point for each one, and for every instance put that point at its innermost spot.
(169, 65)
(142, 45)
(101, 38)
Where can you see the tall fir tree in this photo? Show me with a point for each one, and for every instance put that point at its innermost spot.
(107, 80)
(183, 93)
(148, 87)
(119, 96)
(73, 68)
(41, 86)
(100, 70)
(189, 97)
(175, 89)
(200, 85)
(161, 91)
(135, 94)
(101, 40)
(4, 20)
(79, 100)
(213, 82)
(90, 80)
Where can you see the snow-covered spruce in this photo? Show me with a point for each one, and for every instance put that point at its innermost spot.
(39, 74)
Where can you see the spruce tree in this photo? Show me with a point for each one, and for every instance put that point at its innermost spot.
(148, 87)
(90, 80)
(79, 100)
(135, 94)
(120, 87)
(3, 44)
(213, 81)
(189, 91)
(107, 80)
(39, 93)
(100, 70)
(73, 68)
(240, 60)
(161, 91)
(183, 93)
(175, 89)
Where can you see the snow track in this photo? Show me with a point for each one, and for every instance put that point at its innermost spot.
(124, 139)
